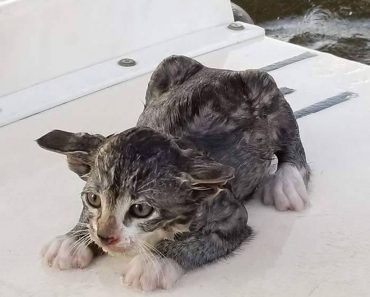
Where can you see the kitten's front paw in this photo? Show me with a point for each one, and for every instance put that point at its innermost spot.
(64, 252)
(151, 273)
(285, 189)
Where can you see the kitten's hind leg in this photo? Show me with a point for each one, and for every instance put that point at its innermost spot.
(286, 189)
(72, 250)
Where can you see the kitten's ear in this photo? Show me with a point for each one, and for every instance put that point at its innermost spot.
(80, 148)
(207, 174)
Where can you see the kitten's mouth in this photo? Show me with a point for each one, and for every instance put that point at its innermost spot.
(110, 241)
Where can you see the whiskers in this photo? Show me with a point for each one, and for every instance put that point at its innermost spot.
(82, 238)
(150, 255)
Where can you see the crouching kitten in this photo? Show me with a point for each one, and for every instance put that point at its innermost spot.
(170, 191)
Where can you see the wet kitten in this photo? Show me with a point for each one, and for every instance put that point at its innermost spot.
(170, 192)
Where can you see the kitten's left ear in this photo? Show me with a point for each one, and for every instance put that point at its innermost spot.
(80, 148)
(207, 174)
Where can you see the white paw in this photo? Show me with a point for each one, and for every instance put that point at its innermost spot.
(151, 273)
(63, 252)
(285, 189)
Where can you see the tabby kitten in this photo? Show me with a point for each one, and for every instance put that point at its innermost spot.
(170, 191)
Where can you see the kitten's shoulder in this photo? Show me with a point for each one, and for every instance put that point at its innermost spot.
(172, 71)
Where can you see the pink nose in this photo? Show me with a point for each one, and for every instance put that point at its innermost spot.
(108, 240)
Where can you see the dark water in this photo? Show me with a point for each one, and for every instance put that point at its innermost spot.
(340, 27)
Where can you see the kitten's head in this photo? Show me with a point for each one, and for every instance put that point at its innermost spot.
(141, 186)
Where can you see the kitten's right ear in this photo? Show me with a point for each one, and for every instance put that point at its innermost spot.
(80, 148)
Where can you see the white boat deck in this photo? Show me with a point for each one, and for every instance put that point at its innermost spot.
(322, 251)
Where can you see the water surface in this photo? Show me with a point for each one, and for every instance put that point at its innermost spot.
(340, 27)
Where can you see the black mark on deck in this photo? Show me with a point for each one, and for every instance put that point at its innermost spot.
(324, 104)
(287, 62)
(286, 91)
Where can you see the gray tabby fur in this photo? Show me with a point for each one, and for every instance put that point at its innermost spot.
(201, 148)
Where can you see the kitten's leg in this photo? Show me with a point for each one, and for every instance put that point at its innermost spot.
(151, 272)
(287, 188)
(72, 250)
(220, 226)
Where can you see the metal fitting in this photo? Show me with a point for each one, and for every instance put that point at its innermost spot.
(235, 26)
(127, 62)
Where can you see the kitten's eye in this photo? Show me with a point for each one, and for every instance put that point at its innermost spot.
(93, 200)
(141, 210)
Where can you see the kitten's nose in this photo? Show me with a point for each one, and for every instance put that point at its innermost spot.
(106, 228)
(108, 239)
